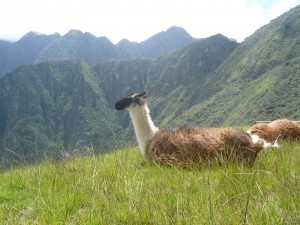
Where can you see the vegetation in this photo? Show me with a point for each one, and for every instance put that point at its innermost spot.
(120, 188)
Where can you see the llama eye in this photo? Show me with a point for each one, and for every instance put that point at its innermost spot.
(137, 101)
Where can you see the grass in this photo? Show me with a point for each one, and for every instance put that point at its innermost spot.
(120, 188)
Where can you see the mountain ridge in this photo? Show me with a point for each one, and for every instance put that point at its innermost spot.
(76, 45)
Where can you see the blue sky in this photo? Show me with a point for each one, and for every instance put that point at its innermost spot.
(266, 5)
(136, 20)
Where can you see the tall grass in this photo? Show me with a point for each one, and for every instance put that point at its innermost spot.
(120, 188)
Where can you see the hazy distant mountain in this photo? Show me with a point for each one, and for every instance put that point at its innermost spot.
(171, 39)
(24, 51)
(76, 45)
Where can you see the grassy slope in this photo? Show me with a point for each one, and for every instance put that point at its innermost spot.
(120, 188)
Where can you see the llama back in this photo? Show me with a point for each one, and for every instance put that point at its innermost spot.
(199, 144)
(283, 128)
(287, 129)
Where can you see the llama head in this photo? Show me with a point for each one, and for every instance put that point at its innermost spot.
(132, 100)
(260, 129)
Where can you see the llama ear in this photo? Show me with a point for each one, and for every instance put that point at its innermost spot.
(142, 95)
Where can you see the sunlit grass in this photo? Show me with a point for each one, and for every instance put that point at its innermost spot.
(120, 188)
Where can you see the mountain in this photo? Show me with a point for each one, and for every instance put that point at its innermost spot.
(189, 64)
(169, 40)
(76, 45)
(210, 82)
(260, 80)
(24, 51)
(54, 104)
(173, 38)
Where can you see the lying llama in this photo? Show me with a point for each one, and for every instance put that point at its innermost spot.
(282, 128)
(185, 145)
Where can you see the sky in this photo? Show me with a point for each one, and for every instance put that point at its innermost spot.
(137, 20)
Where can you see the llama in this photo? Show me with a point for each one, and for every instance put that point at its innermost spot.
(185, 145)
(283, 129)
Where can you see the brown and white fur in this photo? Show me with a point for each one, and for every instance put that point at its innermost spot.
(283, 129)
(185, 144)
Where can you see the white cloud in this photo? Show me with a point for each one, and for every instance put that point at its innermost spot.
(137, 20)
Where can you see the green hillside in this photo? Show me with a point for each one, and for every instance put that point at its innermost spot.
(120, 188)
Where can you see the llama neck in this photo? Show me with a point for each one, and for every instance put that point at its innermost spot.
(143, 125)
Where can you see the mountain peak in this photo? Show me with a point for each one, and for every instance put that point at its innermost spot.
(30, 35)
(175, 29)
(73, 33)
(124, 41)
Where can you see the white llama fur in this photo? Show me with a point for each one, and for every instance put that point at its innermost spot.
(257, 139)
(143, 125)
